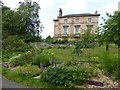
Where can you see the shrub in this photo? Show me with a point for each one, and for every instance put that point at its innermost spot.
(29, 70)
(62, 47)
(16, 60)
(70, 62)
(21, 59)
(14, 43)
(41, 59)
(109, 62)
(67, 76)
(95, 59)
(64, 41)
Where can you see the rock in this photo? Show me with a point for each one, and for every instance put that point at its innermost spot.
(91, 82)
(5, 64)
(37, 77)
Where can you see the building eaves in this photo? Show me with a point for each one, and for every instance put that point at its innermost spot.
(79, 15)
(55, 19)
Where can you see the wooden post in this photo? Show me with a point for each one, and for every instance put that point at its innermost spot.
(55, 62)
(41, 66)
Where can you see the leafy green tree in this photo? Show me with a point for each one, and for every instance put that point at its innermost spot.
(49, 37)
(111, 29)
(24, 21)
(7, 18)
(111, 33)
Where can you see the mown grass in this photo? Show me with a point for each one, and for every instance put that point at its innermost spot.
(67, 54)
(0, 69)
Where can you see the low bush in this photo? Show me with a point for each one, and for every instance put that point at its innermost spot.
(21, 59)
(67, 76)
(41, 59)
(95, 59)
(62, 47)
(16, 61)
(109, 62)
(64, 41)
(29, 70)
(70, 62)
(14, 43)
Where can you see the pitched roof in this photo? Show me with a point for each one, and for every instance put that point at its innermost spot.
(79, 15)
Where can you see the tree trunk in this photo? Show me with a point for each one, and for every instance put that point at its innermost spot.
(107, 47)
(119, 63)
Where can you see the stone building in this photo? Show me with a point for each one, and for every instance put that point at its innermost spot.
(73, 26)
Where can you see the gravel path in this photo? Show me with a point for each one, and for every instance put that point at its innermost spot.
(9, 84)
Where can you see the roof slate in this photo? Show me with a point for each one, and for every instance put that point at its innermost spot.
(78, 15)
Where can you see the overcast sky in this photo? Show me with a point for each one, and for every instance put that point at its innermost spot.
(49, 9)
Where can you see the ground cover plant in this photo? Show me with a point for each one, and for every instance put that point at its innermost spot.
(68, 67)
(67, 76)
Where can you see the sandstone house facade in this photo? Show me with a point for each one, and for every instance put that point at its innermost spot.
(74, 25)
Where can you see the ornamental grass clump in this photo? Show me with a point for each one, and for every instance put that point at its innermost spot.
(109, 63)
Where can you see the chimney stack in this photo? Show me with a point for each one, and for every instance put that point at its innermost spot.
(96, 12)
(60, 12)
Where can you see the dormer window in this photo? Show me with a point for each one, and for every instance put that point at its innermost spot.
(65, 21)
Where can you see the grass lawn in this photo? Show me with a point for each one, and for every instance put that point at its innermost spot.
(67, 54)
(0, 69)
(27, 81)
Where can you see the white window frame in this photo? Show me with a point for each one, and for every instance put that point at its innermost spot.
(77, 28)
(65, 21)
(77, 20)
(89, 20)
(65, 30)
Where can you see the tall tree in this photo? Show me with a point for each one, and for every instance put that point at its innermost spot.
(24, 21)
(111, 34)
(111, 29)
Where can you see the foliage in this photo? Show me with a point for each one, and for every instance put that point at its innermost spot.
(14, 43)
(62, 47)
(67, 76)
(70, 62)
(16, 61)
(21, 59)
(25, 80)
(49, 39)
(23, 21)
(88, 41)
(109, 62)
(41, 59)
(111, 29)
(95, 59)
(29, 70)
(88, 36)
(80, 45)
(64, 41)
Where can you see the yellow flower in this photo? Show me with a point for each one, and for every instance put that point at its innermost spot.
(52, 54)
